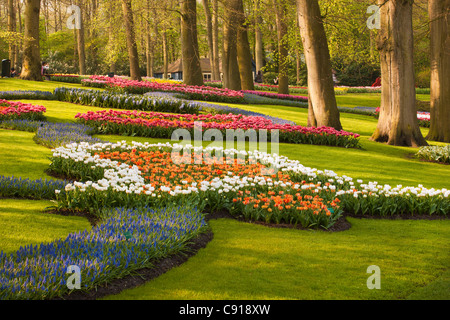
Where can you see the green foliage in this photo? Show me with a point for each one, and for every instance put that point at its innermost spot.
(423, 78)
(269, 77)
(60, 52)
(435, 153)
(356, 73)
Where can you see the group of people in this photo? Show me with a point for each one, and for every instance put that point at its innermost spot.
(44, 71)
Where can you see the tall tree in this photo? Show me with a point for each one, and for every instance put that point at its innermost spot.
(259, 49)
(135, 73)
(192, 72)
(12, 28)
(215, 33)
(230, 67)
(243, 50)
(282, 32)
(439, 13)
(209, 33)
(31, 66)
(149, 43)
(322, 109)
(398, 123)
(81, 47)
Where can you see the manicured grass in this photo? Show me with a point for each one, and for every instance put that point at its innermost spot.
(17, 84)
(20, 156)
(22, 222)
(246, 261)
(358, 100)
(58, 111)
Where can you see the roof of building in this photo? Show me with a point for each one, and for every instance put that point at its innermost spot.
(177, 66)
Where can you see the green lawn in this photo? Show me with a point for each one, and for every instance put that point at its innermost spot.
(246, 261)
(22, 222)
(17, 84)
(20, 156)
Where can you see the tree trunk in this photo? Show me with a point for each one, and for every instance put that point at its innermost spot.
(209, 33)
(438, 11)
(259, 50)
(322, 99)
(283, 80)
(149, 44)
(165, 55)
(231, 75)
(192, 72)
(398, 123)
(80, 42)
(12, 28)
(31, 67)
(135, 73)
(243, 51)
(215, 27)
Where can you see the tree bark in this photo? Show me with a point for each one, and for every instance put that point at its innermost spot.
(209, 33)
(165, 55)
(243, 51)
(192, 72)
(12, 28)
(31, 67)
(149, 49)
(259, 49)
(439, 13)
(397, 124)
(135, 73)
(231, 75)
(322, 99)
(215, 27)
(283, 79)
(80, 42)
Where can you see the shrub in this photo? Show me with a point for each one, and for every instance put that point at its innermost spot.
(435, 153)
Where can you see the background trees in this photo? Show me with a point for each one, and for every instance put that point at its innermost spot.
(242, 37)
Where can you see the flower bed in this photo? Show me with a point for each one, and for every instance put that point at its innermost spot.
(14, 187)
(26, 94)
(424, 119)
(159, 125)
(125, 101)
(53, 135)
(18, 110)
(258, 186)
(126, 240)
(295, 89)
(277, 96)
(150, 175)
(68, 78)
(203, 93)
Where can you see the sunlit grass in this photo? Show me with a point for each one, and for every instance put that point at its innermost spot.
(246, 261)
(23, 222)
(17, 84)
